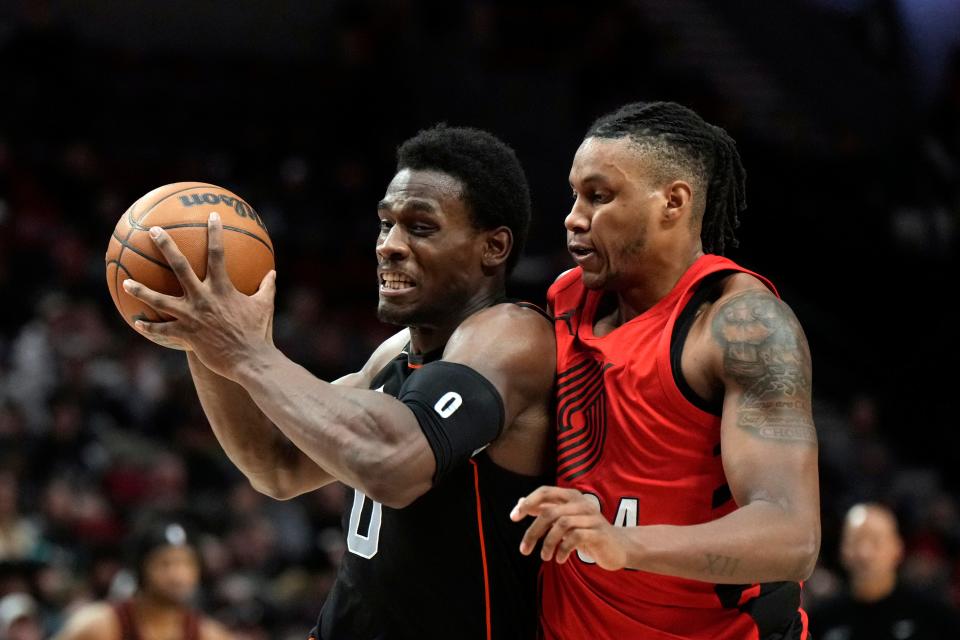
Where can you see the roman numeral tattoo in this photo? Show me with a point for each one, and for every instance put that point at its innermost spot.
(765, 351)
(722, 566)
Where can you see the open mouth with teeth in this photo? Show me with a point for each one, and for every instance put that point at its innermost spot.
(395, 281)
(580, 251)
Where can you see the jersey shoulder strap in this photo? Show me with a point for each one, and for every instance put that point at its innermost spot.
(191, 626)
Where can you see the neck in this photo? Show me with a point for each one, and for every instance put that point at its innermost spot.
(425, 338)
(151, 609)
(659, 278)
(873, 589)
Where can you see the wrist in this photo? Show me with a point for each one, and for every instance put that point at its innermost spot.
(632, 541)
(255, 365)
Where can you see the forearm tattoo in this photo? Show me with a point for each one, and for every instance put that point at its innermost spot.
(765, 351)
(718, 565)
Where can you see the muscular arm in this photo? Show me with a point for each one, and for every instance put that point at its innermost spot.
(372, 441)
(515, 349)
(769, 451)
(272, 463)
(366, 439)
(758, 353)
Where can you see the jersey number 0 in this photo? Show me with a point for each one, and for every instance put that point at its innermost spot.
(364, 546)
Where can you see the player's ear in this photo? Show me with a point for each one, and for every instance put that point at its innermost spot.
(496, 247)
(678, 196)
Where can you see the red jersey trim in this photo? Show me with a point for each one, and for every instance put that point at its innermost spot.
(483, 548)
(563, 282)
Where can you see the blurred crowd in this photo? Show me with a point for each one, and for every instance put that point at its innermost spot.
(95, 429)
(97, 425)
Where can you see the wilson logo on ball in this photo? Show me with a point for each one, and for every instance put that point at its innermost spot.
(242, 208)
(183, 210)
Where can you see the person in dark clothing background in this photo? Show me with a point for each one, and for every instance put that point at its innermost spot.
(876, 606)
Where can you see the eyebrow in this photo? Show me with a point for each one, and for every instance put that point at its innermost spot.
(596, 177)
(593, 177)
(410, 204)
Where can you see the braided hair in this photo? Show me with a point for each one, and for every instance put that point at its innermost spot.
(680, 142)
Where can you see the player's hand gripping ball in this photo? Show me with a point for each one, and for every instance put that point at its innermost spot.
(182, 209)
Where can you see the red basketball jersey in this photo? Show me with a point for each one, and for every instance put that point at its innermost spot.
(628, 436)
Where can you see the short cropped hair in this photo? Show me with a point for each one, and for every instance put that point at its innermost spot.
(495, 186)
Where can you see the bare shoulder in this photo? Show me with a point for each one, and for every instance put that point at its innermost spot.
(514, 348)
(95, 621)
(502, 320)
(508, 334)
(210, 629)
(746, 304)
(748, 319)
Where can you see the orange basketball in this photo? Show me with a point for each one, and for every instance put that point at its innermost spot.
(182, 208)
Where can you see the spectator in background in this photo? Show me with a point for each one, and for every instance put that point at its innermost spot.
(877, 607)
(18, 536)
(19, 618)
(168, 572)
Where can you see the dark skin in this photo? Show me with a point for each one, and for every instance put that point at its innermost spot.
(635, 235)
(290, 432)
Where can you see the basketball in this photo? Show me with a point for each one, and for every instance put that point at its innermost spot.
(182, 209)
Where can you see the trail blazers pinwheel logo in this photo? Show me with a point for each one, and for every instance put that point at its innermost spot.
(581, 418)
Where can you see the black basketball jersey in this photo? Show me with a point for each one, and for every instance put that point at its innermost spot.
(446, 566)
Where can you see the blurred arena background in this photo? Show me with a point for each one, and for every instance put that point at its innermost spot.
(847, 114)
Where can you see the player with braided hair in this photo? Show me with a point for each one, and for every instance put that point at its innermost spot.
(680, 141)
(688, 498)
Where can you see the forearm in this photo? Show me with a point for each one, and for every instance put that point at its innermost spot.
(366, 439)
(760, 542)
(251, 441)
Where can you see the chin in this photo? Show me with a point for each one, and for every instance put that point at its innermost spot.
(592, 281)
(424, 313)
(390, 314)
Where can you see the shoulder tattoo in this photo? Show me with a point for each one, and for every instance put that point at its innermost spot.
(765, 351)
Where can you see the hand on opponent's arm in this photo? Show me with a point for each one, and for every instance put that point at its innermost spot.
(768, 444)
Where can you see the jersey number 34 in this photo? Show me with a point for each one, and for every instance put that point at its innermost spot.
(626, 517)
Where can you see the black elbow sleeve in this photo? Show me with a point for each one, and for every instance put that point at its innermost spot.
(459, 411)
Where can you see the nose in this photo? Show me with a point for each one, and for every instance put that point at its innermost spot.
(392, 245)
(577, 221)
